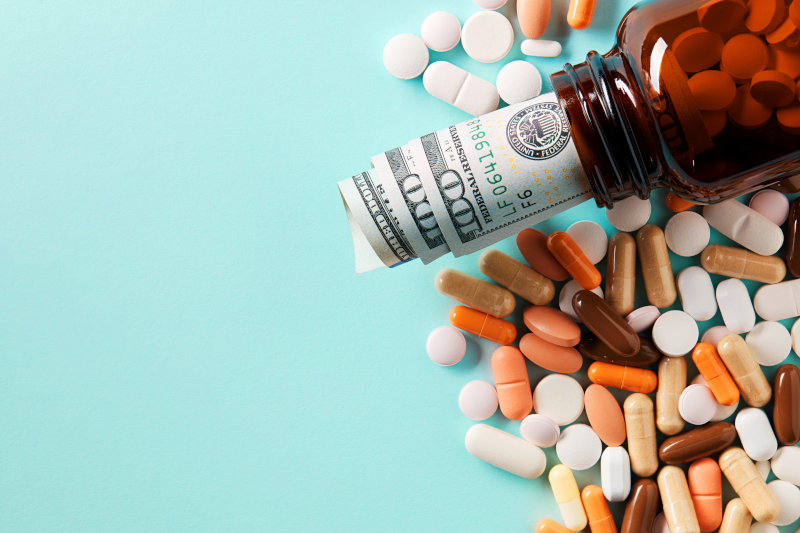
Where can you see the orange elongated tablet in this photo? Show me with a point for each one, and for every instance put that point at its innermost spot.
(713, 90)
(677, 204)
(511, 382)
(721, 15)
(605, 415)
(715, 122)
(743, 57)
(785, 59)
(597, 511)
(574, 261)
(789, 118)
(532, 245)
(550, 356)
(763, 16)
(533, 16)
(772, 88)
(785, 33)
(623, 377)
(705, 486)
(697, 49)
(483, 325)
(545, 525)
(746, 112)
(552, 325)
(713, 370)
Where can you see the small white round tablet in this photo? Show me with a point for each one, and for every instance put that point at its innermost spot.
(519, 81)
(579, 447)
(687, 233)
(735, 305)
(490, 4)
(441, 31)
(405, 56)
(478, 400)
(660, 524)
(591, 238)
(769, 342)
(697, 404)
(558, 397)
(763, 469)
(713, 335)
(540, 48)
(675, 333)
(723, 411)
(629, 214)
(785, 464)
(772, 204)
(540, 430)
(643, 318)
(446, 346)
(487, 36)
(788, 497)
(565, 298)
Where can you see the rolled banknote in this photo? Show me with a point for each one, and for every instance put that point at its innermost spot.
(466, 187)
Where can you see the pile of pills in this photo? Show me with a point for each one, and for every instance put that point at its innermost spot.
(623, 439)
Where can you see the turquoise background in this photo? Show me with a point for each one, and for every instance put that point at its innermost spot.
(183, 343)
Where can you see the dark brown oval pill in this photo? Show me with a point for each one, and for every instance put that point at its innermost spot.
(697, 443)
(595, 349)
(786, 407)
(605, 323)
(640, 511)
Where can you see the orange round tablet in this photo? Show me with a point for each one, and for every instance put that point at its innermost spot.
(786, 32)
(789, 118)
(550, 356)
(785, 59)
(715, 121)
(552, 325)
(697, 49)
(763, 16)
(746, 112)
(604, 414)
(721, 15)
(772, 88)
(713, 90)
(794, 13)
(743, 57)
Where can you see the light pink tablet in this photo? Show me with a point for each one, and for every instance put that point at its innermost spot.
(643, 318)
(713, 335)
(446, 346)
(772, 204)
(478, 400)
(697, 404)
(540, 430)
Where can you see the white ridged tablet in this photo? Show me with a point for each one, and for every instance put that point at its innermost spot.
(697, 404)
(697, 293)
(735, 306)
(629, 214)
(540, 430)
(785, 464)
(755, 432)
(441, 31)
(770, 343)
(519, 81)
(505, 451)
(615, 474)
(461, 89)
(579, 447)
(723, 411)
(778, 301)
(788, 497)
(744, 226)
(675, 333)
(487, 36)
(405, 56)
(687, 233)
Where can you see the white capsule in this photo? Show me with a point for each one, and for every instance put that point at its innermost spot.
(778, 301)
(459, 88)
(615, 473)
(697, 293)
(745, 226)
(540, 48)
(735, 306)
(505, 451)
(755, 432)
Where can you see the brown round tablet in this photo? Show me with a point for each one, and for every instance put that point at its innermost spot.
(721, 15)
(746, 112)
(549, 356)
(789, 118)
(713, 90)
(697, 49)
(532, 245)
(715, 121)
(763, 16)
(786, 32)
(604, 414)
(772, 88)
(743, 57)
(552, 325)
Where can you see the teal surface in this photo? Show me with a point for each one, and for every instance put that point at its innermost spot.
(183, 343)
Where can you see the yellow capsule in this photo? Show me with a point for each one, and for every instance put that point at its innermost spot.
(737, 517)
(474, 292)
(565, 489)
(677, 500)
(745, 371)
(749, 485)
(671, 382)
(640, 426)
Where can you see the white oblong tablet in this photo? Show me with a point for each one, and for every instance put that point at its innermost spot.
(772, 204)
(697, 293)
(487, 36)
(505, 451)
(763, 469)
(788, 497)
(441, 31)
(591, 238)
(643, 318)
(559, 397)
(446, 345)
(785, 464)
(405, 56)
(540, 430)
(770, 343)
(743, 225)
(723, 411)
(490, 4)
(755, 432)
(579, 447)
(565, 298)
(540, 48)
(735, 305)
(629, 214)
(778, 301)
(478, 400)
(697, 404)
(615, 473)
(713, 335)
(687, 233)
(660, 524)
(675, 333)
(519, 81)
(461, 89)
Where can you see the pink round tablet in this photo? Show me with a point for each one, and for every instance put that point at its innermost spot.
(446, 346)
(441, 31)
(713, 335)
(552, 325)
(540, 430)
(478, 400)
(643, 318)
(697, 404)
(772, 204)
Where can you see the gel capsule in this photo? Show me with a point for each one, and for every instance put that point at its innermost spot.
(671, 382)
(594, 502)
(593, 348)
(606, 323)
(567, 496)
(744, 370)
(511, 381)
(641, 429)
(737, 517)
(677, 500)
(574, 261)
(656, 267)
(743, 264)
(640, 511)
(483, 325)
(749, 485)
(713, 370)
(545, 525)
(705, 485)
(580, 12)
(786, 408)
(516, 277)
(621, 273)
(697, 443)
(474, 292)
(623, 377)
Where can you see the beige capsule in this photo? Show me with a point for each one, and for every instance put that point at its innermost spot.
(677, 500)
(671, 382)
(656, 267)
(621, 273)
(749, 485)
(640, 427)
(742, 264)
(737, 517)
(474, 292)
(745, 371)
(520, 279)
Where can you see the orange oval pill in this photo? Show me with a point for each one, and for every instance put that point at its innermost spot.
(597, 511)
(789, 118)
(721, 15)
(787, 32)
(623, 377)
(483, 325)
(574, 261)
(746, 112)
(604, 414)
(785, 59)
(714, 121)
(763, 16)
(677, 204)
(772, 88)
(550, 356)
(533, 16)
(713, 90)
(713, 370)
(697, 49)
(552, 325)
(743, 56)
(532, 245)
(511, 382)
(705, 486)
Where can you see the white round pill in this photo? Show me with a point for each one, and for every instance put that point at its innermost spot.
(723, 411)
(490, 4)
(675, 333)
(540, 48)
(769, 342)
(558, 397)
(713, 335)
(591, 238)
(785, 464)
(796, 336)
(788, 497)
(487, 36)
(478, 400)
(565, 298)
(629, 214)
(405, 56)
(687, 233)
(446, 345)
(441, 31)
(762, 527)
(519, 81)
(643, 318)
(763, 469)
(579, 447)
(697, 404)
(540, 430)
(772, 204)
(660, 524)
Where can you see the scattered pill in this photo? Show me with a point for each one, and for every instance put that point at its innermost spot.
(675, 333)
(789, 120)
(785, 464)
(565, 297)
(579, 13)
(516, 277)
(483, 325)
(786, 405)
(778, 301)
(742, 264)
(771, 204)
(656, 267)
(697, 443)
(540, 48)
(405, 56)
(459, 88)
(676, 204)
(573, 259)
(677, 500)
(615, 473)
(723, 411)
(605, 415)
(660, 524)
(641, 432)
(579, 447)
(713, 335)
(721, 15)
(532, 245)
(629, 214)
(550, 356)
(540, 430)
(697, 293)
(715, 375)
(754, 388)
(441, 31)
(784, 59)
(545, 525)
(559, 397)
(622, 377)
(621, 273)
(552, 325)
(477, 400)
(519, 81)
(505, 451)
(597, 511)
(568, 498)
(742, 57)
(671, 383)
(763, 469)
(772, 88)
(593, 348)
(713, 90)
(705, 486)
(487, 36)
(446, 346)
(490, 4)
(758, 527)
(788, 497)
(641, 507)
(687, 233)
(748, 114)
(643, 318)
(746, 481)
(476, 293)
(533, 16)
(763, 16)
(714, 122)
(770, 343)
(511, 380)
(591, 238)
(697, 404)
(735, 305)
(737, 517)
(605, 323)
(697, 49)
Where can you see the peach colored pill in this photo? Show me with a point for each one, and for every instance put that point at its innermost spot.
(545, 525)
(705, 485)
(713, 90)
(743, 57)
(597, 511)
(552, 325)
(763, 16)
(532, 245)
(772, 88)
(794, 13)
(483, 325)
(574, 261)
(789, 118)
(550, 356)
(623, 377)
(533, 16)
(697, 49)
(677, 204)
(604, 414)
(746, 112)
(785, 33)
(714, 121)
(721, 15)
(785, 59)
(579, 14)
(511, 381)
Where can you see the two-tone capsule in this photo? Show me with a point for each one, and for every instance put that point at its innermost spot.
(743, 264)
(623, 377)
(745, 371)
(565, 490)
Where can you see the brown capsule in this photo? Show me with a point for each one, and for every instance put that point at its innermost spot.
(745, 371)
(697, 443)
(793, 239)
(606, 323)
(656, 267)
(786, 407)
(593, 348)
(516, 277)
(671, 382)
(743, 264)
(640, 510)
(621, 273)
(474, 292)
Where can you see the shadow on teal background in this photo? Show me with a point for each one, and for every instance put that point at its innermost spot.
(183, 343)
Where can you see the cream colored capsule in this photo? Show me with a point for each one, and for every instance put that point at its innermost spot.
(568, 497)
(740, 263)
(641, 429)
(749, 485)
(621, 273)
(677, 501)
(671, 382)
(656, 267)
(745, 371)
(516, 277)
(737, 517)
(474, 292)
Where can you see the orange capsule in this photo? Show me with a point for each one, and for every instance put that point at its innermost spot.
(594, 502)
(705, 486)
(676, 204)
(483, 325)
(712, 368)
(545, 525)
(623, 377)
(511, 381)
(574, 261)
(580, 12)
